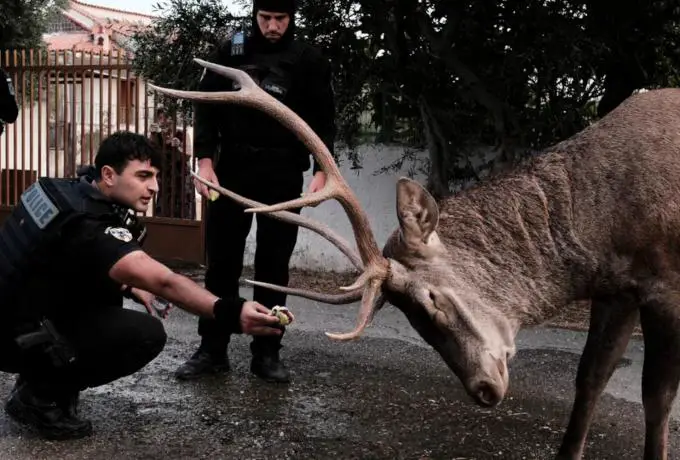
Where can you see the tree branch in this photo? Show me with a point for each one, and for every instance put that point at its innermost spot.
(438, 151)
(442, 49)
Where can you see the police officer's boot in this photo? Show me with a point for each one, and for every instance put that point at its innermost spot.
(210, 358)
(266, 362)
(69, 404)
(42, 411)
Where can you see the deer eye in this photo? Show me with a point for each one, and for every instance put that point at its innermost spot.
(432, 296)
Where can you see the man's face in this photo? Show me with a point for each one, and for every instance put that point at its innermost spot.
(135, 187)
(272, 25)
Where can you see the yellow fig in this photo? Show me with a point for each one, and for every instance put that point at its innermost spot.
(281, 314)
(283, 318)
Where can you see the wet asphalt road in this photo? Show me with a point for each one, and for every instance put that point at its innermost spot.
(386, 396)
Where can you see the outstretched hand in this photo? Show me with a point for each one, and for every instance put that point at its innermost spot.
(256, 320)
(147, 299)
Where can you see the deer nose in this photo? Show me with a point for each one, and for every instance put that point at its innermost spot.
(487, 393)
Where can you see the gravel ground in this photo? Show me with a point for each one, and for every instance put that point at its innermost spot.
(386, 396)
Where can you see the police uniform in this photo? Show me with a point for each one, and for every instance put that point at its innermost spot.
(9, 110)
(257, 157)
(64, 327)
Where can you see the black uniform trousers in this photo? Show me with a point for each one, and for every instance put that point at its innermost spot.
(109, 343)
(228, 226)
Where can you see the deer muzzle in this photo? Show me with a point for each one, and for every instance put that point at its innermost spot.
(487, 393)
(489, 388)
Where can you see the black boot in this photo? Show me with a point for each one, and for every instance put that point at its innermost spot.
(205, 361)
(45, 413)
(266, 363)
(69, 404)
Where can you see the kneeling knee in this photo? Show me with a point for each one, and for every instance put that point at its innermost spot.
(145, 339)
(155, 338)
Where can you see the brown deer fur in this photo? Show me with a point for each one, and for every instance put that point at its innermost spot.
(594, 217)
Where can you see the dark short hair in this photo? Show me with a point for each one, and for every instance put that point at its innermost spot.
(121, 147)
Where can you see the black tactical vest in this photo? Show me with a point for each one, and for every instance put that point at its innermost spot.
(30, 233)
(274, 73)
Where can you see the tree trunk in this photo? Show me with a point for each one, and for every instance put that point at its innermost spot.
(437, 181)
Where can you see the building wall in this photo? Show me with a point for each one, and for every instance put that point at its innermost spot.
(377, 193)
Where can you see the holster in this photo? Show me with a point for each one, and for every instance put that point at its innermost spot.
(45, 339)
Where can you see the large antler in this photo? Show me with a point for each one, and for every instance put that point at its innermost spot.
(376, 267)
(286, 216)
(306, 222)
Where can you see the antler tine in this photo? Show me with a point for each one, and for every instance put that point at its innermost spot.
(286, 216)
(369, 306)
(372, 271)
(248, 94)
(243, 79)
(333, 299)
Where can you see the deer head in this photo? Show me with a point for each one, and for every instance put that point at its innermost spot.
(414, 271)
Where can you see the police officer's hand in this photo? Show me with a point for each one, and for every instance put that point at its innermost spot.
(256, 320)
(206, 171)
(147, 299)
(318, 182)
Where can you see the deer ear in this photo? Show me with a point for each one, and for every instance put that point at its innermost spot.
(417, 211)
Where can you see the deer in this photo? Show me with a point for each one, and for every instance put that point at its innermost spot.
(594, 218)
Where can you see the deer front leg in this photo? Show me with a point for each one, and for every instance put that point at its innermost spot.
(611, 325)
(660, 373)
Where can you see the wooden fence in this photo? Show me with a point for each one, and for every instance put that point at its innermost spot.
(70, 101)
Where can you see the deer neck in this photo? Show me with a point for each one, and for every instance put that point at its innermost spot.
(516, 242)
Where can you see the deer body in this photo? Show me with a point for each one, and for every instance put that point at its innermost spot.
(595, 217)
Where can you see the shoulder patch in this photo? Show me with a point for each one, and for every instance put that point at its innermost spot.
(39, 205)
(119, 233)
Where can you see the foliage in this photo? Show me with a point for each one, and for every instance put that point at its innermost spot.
(188, 29)
(456, 77)
(22, 22)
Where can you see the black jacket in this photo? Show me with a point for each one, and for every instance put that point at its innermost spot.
(9, 111)
(248, 139)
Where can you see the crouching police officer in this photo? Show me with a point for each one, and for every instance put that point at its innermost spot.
(69, 253)
(9, 110)
(255, 156)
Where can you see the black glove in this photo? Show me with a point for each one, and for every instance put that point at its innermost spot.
(227, 313)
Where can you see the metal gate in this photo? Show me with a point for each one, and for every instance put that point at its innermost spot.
(69, 101)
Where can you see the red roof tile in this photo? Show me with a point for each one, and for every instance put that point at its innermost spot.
(105, 12)
(77, 42)
(107, 21)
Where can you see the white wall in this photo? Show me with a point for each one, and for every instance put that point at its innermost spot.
(377, 193)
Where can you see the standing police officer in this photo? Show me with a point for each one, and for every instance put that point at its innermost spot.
(262, 160)
(9, 110)
(69, 252)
